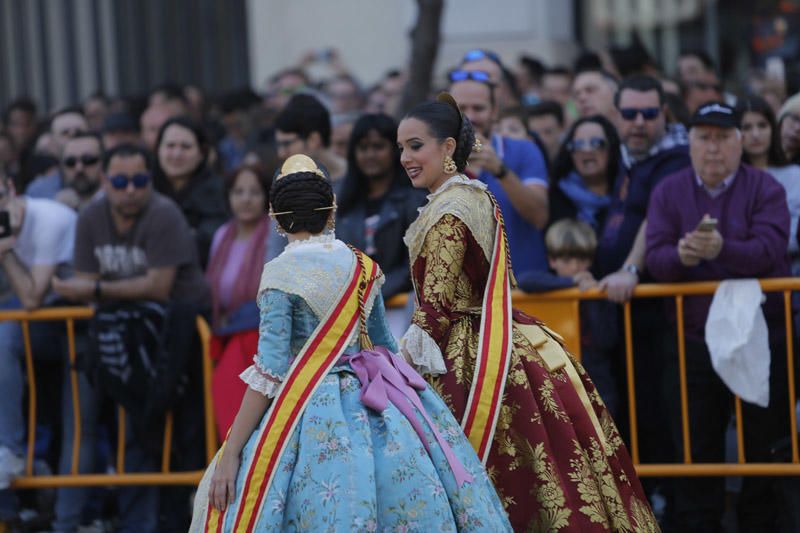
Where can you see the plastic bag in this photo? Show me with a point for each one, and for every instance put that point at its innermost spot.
(738, 339)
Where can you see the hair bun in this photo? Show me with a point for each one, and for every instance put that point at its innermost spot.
(447, 98)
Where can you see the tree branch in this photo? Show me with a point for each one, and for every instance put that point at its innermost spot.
(425, 39)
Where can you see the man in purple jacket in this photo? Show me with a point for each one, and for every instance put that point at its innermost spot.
(749, 240)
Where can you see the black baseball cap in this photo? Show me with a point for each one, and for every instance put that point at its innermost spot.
(717, 114)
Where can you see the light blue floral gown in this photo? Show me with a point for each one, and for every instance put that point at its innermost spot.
(348, 467)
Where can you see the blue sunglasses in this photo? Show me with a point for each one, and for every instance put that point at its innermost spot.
(121, 181)
(478, 54)
(585, 145)
(648, 113)
(475, 75)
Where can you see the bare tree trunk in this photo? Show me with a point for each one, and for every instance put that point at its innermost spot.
(424, 49)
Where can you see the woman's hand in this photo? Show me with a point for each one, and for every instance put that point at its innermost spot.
(222, 491)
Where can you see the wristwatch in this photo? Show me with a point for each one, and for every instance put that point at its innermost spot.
(633, 269)
(502, 172)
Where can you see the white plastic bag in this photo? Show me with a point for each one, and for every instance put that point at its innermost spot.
(738, 339)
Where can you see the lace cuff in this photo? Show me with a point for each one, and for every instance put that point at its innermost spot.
(422, 349)
(261, 380)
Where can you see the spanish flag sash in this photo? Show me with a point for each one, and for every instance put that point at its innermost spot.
(312, 364)
(494, 348)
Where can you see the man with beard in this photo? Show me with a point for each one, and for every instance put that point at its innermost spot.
(514, 170)
(64, 125)
(134, 249)
(81, 169)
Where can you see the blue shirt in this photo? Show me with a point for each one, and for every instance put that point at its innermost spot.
(46, 186)
(525, 241)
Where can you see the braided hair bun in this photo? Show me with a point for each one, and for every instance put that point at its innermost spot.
(445, 120)
(302, 201)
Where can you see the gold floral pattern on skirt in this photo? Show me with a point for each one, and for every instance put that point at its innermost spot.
(552, 469)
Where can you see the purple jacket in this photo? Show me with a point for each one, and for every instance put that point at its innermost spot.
(753, 219)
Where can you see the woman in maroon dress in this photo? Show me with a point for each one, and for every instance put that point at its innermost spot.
(527, 406)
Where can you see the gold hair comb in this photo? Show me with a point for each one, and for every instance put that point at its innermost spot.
(300, 163)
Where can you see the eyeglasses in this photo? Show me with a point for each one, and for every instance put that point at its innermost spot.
(121, 181)
(86, 160)
(586, 145)
(474, 75)
(478, 54)
(287, 142)
(648, 113)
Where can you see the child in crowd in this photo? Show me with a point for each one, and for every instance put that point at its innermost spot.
(511, 123)
(570, 250)
(571, 246)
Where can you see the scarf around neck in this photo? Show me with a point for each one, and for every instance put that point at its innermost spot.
(247, 282)
(587, 203)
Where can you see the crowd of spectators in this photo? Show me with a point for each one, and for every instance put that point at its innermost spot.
(609, 174)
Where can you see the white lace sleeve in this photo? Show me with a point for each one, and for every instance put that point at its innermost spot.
(422, 349)
(261, 380)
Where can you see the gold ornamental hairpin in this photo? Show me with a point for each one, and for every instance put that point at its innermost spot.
(300, 163)
(326, 208)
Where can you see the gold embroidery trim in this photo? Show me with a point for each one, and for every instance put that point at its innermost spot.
(555, 358)
(466, 200)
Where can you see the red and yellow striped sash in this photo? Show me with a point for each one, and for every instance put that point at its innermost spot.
(494, 349)
(311, 365)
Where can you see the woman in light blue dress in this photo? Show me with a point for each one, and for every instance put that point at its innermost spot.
(346, 466)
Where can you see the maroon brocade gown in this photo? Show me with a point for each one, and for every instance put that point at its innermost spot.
(557, 459)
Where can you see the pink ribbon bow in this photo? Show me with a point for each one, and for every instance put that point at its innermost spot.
(386, 377)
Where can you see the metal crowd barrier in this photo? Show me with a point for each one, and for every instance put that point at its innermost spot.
(559, 309)
(165, 477)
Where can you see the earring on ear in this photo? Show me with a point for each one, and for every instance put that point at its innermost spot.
(449, 165)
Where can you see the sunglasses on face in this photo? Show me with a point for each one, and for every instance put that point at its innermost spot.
(474, 75)
(121, 181)
(585, 145)
(86, 160)
(648, 113)
(478, 54)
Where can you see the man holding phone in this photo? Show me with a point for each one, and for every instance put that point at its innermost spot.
(720, 219)
(36, 242)
(513, 169)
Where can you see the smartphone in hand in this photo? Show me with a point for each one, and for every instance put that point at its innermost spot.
(707, 224)
(5, 224)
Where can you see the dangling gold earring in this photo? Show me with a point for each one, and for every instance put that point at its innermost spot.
(330, 225)
(449, 165)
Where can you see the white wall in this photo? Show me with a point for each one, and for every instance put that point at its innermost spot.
(372, 35)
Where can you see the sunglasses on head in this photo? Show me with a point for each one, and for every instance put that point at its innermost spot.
(86, 160)
(478, 54)
(648, 113)
(474, 75)
(121, 181)
(595, 143)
